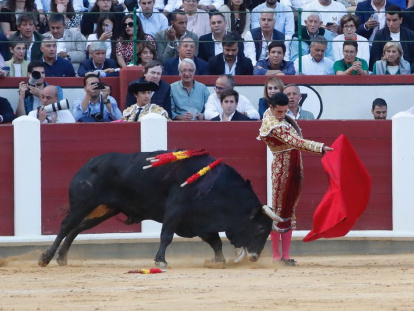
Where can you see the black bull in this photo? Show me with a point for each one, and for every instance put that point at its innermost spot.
(220, 201)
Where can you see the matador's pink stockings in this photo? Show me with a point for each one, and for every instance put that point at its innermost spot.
(286, 241)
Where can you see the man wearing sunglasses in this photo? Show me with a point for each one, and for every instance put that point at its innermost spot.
(30, 94)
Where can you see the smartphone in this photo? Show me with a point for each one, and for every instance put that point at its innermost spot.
(375, 17)
(108, 28)
(100, 86)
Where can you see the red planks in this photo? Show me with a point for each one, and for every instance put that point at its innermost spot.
(6, 181)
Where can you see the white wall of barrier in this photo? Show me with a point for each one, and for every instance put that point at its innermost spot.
(154, 137)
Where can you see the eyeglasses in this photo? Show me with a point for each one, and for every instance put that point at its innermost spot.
(130, 24)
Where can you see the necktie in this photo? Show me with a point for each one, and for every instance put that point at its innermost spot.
(137, 115)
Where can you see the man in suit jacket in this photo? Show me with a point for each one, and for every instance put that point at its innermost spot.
(6, 111)
(230, 61)
(98, 62)
(229, 99)
(70, 42)
(256, 40)
(406, 36)
(369, 19)
(167, 39)
(186, 49)
(210, 44)
(292, 91)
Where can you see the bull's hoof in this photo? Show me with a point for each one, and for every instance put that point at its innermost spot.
(43, 260)
(62, 261)
(213, 264)
(161, 264)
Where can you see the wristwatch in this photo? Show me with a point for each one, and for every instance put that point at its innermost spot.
(107, 102)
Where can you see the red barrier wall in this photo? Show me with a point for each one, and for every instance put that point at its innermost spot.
(6, 181)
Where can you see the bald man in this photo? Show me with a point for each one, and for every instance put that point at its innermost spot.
(49, 96)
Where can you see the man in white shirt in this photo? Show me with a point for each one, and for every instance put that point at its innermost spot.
(50, 95)
(330, 11)
(151, 22)
(213, 105)
(315, 63)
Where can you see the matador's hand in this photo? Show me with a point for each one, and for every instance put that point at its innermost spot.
(326, 149)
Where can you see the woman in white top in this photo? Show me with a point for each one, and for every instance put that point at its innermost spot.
(105, 31)
(349, 24)
(237, 16)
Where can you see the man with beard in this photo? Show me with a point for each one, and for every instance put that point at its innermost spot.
(379, 109)
(186, 49)
(292, 91)
(230, 61)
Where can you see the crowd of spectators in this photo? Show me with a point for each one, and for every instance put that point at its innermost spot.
(68, 38)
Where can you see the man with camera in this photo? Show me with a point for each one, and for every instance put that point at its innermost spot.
(97, 105)
(52, 110)
(30, 92)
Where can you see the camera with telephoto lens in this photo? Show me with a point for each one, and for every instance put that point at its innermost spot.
(34, 77)
(60, 105)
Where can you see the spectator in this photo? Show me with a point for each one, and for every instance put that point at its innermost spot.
(98, 62)
(282, 13)
(4, 49)
(258, 39)
(151, 23)
(350, 64)
(89, 21)
(26, 24)
(393, 31)
(213, 105)
(72, 18)
(315, 63)
(188, 96)
(186, 49)
(17, 64)
(70, 42)
(145, 53)
(229, 99)
(118, 4)
(9, 24)
(197, 19)
(392, 61)
(165, 6)
(167, 40)
(312, 29)
(44, 5)
(55, 66)
(379, 109)
(292, 91)
(408, 18)
(275, 63)
(162, 96)
(125, 45)
(50, 95)
(142, 91)
(237, 16)
(6, 111)
(106, 32)
(210, 44)
(371, 15)
(230, 61)
(97, 105)
(272, 86)
(30, 93)
(330, 12)
(349, 25)
(210, 5)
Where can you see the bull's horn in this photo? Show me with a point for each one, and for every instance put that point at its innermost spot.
(271, 213)
(276, 229)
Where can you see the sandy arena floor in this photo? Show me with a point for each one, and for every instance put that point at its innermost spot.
(317, 283)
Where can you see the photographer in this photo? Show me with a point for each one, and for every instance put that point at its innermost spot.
(50, 96)
(97, 105)
(30, 93)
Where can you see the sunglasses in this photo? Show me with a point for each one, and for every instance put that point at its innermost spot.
(130, 24)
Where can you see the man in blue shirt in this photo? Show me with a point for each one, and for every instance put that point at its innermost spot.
(55, 66)
(151, 22)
